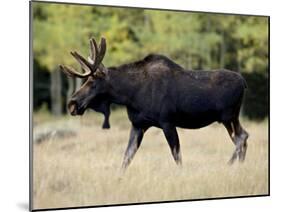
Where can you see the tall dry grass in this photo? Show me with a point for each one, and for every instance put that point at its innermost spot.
(85, 170)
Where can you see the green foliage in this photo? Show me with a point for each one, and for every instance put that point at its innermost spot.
(64, 27)
(194, 40)
(253, 37)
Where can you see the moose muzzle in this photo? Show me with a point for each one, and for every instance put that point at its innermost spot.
(72, 107)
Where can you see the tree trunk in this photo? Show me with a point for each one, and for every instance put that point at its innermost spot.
(56, 97)
(222, 52)
(78, 83)
(237, 56)
(146, 21)
(207, 48)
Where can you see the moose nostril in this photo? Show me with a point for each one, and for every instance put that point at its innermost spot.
(71, 106)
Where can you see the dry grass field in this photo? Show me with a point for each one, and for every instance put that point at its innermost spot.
(85, 169)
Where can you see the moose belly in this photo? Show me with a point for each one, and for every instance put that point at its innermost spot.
(183, 120)
(195, 121)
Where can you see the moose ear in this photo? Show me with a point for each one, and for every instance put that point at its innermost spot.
(104, 70)
(101, 73)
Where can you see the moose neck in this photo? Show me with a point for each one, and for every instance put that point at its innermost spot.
(124, 84)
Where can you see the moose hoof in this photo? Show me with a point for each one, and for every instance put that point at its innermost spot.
(106, 126)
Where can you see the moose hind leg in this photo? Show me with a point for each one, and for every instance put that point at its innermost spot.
(242, 155)
(240, 140)
(235, 155)
(245, 137)
(230, 130)
(173, 141)
(136, 136)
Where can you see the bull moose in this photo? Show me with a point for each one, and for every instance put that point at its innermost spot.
(158, 92)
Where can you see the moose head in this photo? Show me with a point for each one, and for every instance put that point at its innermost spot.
(94, 75)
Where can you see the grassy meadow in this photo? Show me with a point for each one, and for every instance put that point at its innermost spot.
(85, 169)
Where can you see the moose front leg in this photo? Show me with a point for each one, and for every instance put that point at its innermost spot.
(106, 124)
(103, 106)
(171, 135)
(136, 136)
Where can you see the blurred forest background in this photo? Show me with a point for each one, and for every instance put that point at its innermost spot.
(193, 40)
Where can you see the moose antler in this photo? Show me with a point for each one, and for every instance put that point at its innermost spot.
(72, 72)
(91, 65)
(93, 49)
(97, 53)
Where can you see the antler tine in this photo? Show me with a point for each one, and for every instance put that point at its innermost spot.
(102, 49)
(94, 49)
(100, 52)
(69, 71)
(83, 62)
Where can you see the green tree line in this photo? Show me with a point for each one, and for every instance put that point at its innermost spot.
(194, 40)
